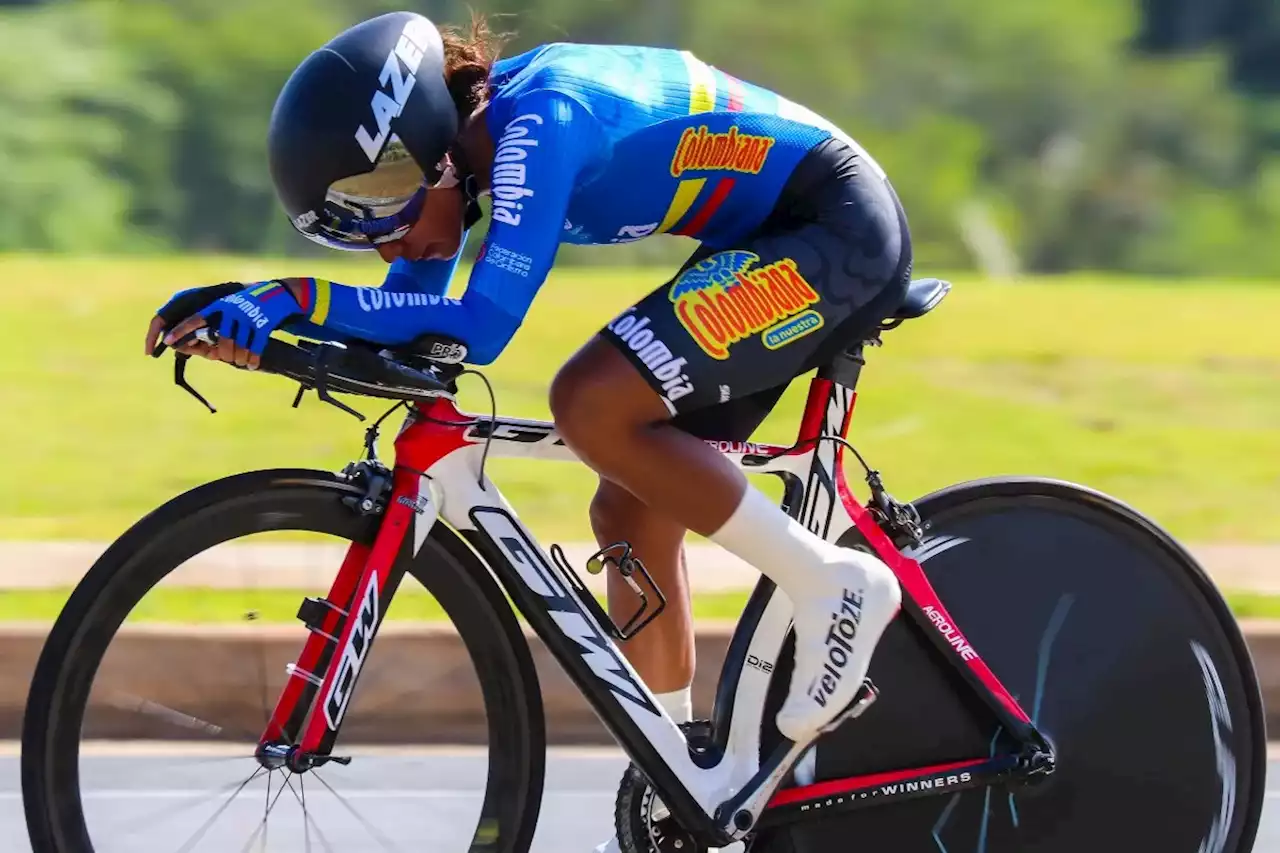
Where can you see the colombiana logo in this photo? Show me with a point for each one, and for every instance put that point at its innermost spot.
(722, 300)
(509, 169)
(414, 40)
(732, 151)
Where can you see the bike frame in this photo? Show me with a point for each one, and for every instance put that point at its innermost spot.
(437, 476)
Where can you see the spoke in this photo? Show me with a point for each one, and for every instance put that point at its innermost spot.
(167, 813)
(217, 759)
(309, 821)
(263, 847)
(199, 833)
(373, 830)
(306, 816)
(262, 827)
(176, 718)
(262, 676)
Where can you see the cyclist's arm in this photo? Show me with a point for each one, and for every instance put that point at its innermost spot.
(431, 276)
(517, 254)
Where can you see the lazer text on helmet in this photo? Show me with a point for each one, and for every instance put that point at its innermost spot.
(413, 41)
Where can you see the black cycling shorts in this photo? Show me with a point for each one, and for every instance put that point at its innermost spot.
(722, 340)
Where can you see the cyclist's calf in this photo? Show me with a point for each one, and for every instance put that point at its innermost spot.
(663, 653)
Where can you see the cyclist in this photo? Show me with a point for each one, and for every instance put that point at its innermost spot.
(384, 140)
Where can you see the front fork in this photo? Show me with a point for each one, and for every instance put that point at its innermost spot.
(302, 731)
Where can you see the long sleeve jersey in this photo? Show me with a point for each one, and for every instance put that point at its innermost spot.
(593, 145)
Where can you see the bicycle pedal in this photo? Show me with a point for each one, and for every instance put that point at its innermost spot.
(867, 694)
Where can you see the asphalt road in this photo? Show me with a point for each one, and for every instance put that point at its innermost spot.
(145, 801)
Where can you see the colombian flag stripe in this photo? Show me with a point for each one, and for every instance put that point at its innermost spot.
(258, 291)
(722, 190)
(306, 296)
(686, 195)
(702, 84)
(735, 92)
(321, 312)
(702, 98)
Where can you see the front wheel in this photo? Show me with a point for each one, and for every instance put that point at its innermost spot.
(196, 785)
(1115, 642)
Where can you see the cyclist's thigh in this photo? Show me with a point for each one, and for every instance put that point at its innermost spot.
(739, 324)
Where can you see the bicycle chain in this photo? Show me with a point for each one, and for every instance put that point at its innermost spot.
(638, 830)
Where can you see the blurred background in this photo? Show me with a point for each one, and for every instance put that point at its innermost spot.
(1099, 178)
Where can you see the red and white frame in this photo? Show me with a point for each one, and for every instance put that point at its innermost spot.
(437, 476)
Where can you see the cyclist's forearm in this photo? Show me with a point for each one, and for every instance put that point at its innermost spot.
(394, 317)
(430, 276)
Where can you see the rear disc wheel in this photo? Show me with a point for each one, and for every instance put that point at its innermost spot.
(1110, 636)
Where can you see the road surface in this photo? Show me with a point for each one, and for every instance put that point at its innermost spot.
(416, 802)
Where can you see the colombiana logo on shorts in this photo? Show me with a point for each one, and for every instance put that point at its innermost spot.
(509, 172)
(414, 39)
(722, 300)
(654, 354)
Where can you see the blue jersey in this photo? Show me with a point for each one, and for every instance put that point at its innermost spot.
(594, 145)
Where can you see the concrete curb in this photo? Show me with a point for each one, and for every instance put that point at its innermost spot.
(43, 565)
(158, 682)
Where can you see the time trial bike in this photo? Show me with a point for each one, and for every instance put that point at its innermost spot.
(1062, 675)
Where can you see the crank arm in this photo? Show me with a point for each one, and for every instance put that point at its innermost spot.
(738, 815)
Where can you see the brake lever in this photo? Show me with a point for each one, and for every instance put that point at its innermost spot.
(180, 360)
(321, 358)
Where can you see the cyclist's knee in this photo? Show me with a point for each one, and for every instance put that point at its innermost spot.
(598, 394)
(578, 387)
(614, 512)
(613, 507)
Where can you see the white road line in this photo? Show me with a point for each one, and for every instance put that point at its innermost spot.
(180, 749)
(364, 794)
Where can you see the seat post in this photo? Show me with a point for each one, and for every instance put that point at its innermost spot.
(845, 368)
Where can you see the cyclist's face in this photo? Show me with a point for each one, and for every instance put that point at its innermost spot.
(436, 234)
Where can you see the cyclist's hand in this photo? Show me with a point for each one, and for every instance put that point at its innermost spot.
(242, 323)
(182, 305)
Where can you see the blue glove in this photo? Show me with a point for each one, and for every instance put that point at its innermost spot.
(249, 316)
(184, 303)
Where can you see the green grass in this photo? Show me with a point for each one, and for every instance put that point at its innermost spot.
(1165, 394)
(193, 606)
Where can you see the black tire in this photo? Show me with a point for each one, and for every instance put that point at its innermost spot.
(1088, 609)
(238, 506)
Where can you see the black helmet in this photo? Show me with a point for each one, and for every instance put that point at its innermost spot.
(360, 130)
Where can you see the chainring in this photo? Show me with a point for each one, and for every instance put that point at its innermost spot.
(643, 825)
